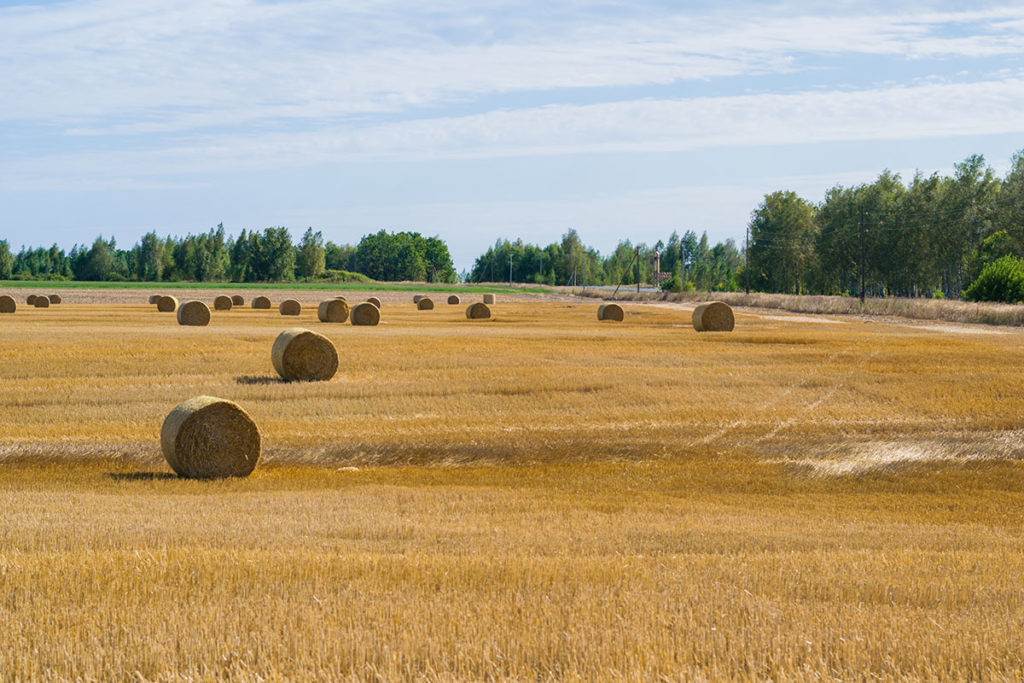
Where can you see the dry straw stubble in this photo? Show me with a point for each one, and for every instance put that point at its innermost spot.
(167, 304)
(713, 316)
(7, 304)
(332, 311)
(610, 312)
(222, 303)
(209, 438)
(425, 304)
(301, 355)
(290, 307)
(194, 313)
(261, 302)
(365, 314)
(478, 311)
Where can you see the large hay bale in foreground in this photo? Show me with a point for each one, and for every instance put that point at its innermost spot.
(31, 299)
(261, 302)
(454, 299)
(237, 300)
(54, 298)
(194, 313)
(416, 299)
(7, 304)
(425, 304)
(714, 316)
(610, 312)
(365, 314)
(332, 311)
(41, 302)
(488, 298)
(478, 311)
(167, 304)
(300, 355)
(154, 298)
(374, 300)
(210, 438)
(222, 303)
(290, 307)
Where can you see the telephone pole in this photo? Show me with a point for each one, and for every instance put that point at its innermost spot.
(863, 277)
(638, 270)
(510, 270)
(542, 266)
(746, 269)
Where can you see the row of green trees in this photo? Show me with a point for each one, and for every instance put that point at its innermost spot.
(257, 256)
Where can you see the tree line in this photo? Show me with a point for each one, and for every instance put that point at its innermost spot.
(257, 256)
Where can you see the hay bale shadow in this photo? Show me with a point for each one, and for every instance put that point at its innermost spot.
(141, 476)
(259, 379)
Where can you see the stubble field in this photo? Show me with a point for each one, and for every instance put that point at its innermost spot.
(539, 496)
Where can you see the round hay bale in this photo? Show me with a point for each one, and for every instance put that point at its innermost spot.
(154, 298)
(167, 304)
(237, 300)
(194, 313)
(210, 438)
(365, 314)
(425, 304)
(714, 316)
(31, 300)
(488, 298)
(7, 304)
(332, 311)
(300, 355)
(374, 300)
(610, 312)
(290, 307)
(222, 303)
(54, 298)
(478, 311)
(261, 302)
(416, 298)
(41, 302)
(454, 299)
(340, 298)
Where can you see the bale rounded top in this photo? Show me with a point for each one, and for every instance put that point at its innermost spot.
(222, 303)
(153, 298)
(416, 298)
(237, 300)
(207, 438)
(167, 304)
(610, 312)
(340, 298)
(261, 302)
(194, 313)
(290, 307)
(41, 302)
(31, 299)
(488, 298)
(454, 299)
(332, 311)
(300, 355)
(713, 316)
(55, 298)
(364, 314)
(425, 304)
(8, 304)
(374, 300)
(478, 311)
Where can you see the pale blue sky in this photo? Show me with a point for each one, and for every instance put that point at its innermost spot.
(480, 120)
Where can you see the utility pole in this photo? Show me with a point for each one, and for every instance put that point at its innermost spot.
(510, 270)
(542, 266)
(862, 254)
(638, 270)
(746, 269)
(682, 266)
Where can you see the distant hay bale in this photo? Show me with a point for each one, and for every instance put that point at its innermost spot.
(7, 304)
(416, 298)
(41, 302)
(341, 298)
(237, 300)
(154, 298)
(261, 302)
(365, 314)
(488, 298)
(167, 304)
(425, 304)
(222, 303)
(54, 298)
(374, 300)
(478, 311)
(453, 299)
(610, 312)
(210, 438)
(290, 307)
(194, 313)
(332, 311)
(714, 316)
(31, 299)
(300, 355)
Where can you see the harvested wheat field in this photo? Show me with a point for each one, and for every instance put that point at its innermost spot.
(534, 496)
